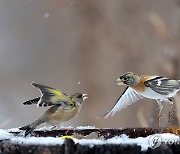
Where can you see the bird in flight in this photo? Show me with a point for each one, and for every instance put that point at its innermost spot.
(62, 106)
(143, 86)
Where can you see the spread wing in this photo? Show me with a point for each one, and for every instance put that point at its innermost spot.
(51, 96)
(128, 97)
(163, 85)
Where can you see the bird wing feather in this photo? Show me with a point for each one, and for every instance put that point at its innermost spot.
(128, 97)
(163, 85)
(51, 96)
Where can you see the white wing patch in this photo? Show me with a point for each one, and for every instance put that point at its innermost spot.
(128, 97)
(159, 83)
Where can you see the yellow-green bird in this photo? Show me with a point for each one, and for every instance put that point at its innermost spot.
(63, 107)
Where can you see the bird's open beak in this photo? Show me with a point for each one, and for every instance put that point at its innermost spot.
(119, 82)
(84, 96)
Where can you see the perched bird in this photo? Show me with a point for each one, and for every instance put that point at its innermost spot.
(140, 86)
(63, 107)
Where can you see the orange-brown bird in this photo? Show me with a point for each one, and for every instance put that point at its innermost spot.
(140, 86)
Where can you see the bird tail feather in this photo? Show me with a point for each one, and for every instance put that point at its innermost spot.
(28, 129)
(33, 101)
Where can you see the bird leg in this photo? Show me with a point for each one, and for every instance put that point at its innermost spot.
(160, 115)
(171, 111)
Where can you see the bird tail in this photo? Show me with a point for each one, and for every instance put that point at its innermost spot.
(29, 128)
(32, 101)
(24, 127)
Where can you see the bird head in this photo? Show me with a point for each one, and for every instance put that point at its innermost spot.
(130, 79)
(79, 98)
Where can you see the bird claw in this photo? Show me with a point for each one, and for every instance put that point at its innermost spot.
(171, 115)
(159, 119)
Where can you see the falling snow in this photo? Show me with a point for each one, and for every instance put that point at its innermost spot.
(46, 15)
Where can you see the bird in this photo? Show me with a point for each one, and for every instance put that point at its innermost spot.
(62, 106)
(144, 86)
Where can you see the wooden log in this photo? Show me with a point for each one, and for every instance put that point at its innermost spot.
(70, 147)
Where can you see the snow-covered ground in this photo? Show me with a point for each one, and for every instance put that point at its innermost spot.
(152, 141)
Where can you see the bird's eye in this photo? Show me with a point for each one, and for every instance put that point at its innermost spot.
(71, 105)
(125, 78)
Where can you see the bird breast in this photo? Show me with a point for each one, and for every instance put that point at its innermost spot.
(61, 115)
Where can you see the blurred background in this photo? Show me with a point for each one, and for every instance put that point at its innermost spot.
(61, 43)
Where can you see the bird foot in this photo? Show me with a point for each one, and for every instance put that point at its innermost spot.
(159, 119)
(67, 130)
(171, 115)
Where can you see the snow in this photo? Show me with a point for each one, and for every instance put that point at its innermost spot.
(45, 128)
(86, 127)
(78, 82)
(38, 140)
(46, 15)
(5, 135)
(13, 130)
(144, 142)
(72, 3)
